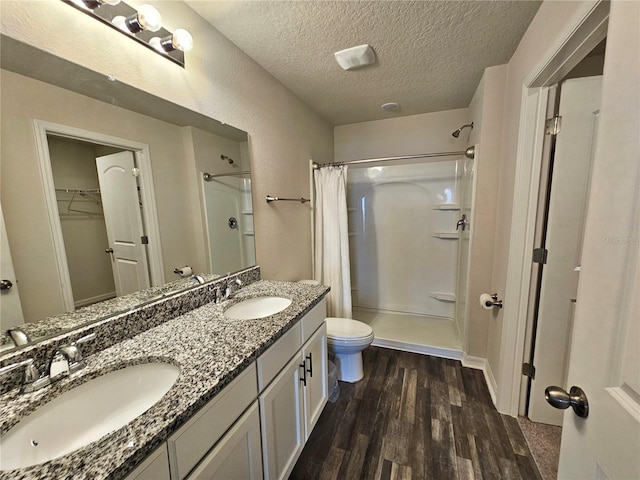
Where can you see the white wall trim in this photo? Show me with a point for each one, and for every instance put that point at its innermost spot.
(581, 33)
(479, 363)
(150, 216)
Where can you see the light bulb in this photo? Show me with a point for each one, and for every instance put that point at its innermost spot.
(120, 22)
(182, 40)
(149, 18)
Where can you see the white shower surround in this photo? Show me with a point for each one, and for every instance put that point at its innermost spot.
(396, 209)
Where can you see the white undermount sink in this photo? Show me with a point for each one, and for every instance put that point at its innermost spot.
(257, 307)
(85, 414)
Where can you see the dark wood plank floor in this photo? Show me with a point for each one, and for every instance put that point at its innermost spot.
(415, 417)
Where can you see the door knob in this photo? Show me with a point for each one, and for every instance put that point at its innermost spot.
(108, 250)
(5, 284)
(462, 222)
(576, 398)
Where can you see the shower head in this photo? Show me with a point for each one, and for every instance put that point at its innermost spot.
(457, 132)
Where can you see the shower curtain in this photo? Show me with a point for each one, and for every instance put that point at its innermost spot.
(332, 238)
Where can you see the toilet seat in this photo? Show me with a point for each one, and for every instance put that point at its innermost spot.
(348, 331)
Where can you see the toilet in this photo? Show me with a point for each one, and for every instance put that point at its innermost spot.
(346, 339)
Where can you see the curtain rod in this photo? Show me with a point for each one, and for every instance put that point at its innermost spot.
(469, 153)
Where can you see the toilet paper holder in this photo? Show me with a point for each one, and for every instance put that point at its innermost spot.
(495, 302)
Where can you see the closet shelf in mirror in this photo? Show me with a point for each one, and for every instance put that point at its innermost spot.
(445, 297)
(446, 235)
(447, 206)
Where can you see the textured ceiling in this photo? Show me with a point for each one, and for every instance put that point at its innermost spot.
(431, 54)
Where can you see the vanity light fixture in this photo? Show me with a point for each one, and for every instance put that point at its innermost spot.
(93, 4)
(143, 25)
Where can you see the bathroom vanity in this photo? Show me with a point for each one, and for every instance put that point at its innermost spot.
(247, 397)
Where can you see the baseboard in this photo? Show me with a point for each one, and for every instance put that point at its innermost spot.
(98, 298)
(480, 363)
(416, 348)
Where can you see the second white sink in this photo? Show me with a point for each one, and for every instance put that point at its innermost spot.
(257, 307)
(85, 413)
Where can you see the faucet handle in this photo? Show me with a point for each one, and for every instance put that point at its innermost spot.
(76, 362)
(18, 336)
(31, 379)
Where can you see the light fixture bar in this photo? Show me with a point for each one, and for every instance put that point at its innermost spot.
(106, 12)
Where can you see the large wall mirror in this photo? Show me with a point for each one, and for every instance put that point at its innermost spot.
(106, 192)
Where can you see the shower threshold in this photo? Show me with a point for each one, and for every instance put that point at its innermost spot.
(434, 336)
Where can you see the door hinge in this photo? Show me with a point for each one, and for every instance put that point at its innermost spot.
(529, 370)
(540, 255)
(144, 240)
(135, 171)
(553, 125)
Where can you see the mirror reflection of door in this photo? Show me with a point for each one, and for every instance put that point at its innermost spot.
(85, 225)
(10, 307)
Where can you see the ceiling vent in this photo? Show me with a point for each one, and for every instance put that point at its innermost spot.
(355, 57)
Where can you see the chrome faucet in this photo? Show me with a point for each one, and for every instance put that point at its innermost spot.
(198, 278)
(68, 359)
(225, 292)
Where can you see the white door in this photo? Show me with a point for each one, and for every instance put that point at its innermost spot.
(237, 456)
(10, 307)
(121, 204)
(282, 422)
(316, 390)
(605, 350)
(579, 109)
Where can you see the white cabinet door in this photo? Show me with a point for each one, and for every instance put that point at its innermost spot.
(238, 455)
(316, 389)
(155, 467)
(281, 419)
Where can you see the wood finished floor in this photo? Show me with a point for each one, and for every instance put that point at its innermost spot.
(415, 417)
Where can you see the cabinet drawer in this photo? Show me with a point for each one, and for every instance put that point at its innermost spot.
(194, 439)
(278, 355)
(312, 320)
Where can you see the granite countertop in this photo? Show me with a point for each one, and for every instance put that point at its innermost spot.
(210, 351)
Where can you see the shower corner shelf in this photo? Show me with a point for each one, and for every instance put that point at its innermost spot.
(247, 212)
(446, 235)
(445, 297)
(447, 206)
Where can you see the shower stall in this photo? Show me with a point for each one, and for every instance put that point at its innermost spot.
(409, 231)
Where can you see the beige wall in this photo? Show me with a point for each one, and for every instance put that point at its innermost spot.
(219, 81)
(414, 134)
(486, 111)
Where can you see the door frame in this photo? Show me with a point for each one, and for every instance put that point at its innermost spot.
(150, 214)
(576, 40)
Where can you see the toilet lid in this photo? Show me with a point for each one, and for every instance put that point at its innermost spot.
(347, 328)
